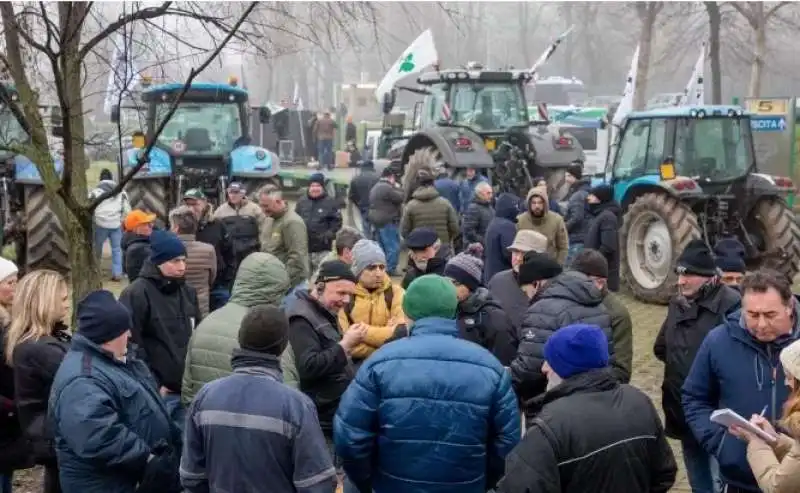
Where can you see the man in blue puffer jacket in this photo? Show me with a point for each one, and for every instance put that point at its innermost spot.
(447, 412)
(500, 235)
(737, 367)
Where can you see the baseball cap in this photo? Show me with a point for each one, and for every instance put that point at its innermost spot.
(194, 193)
(235, 186)
(136, 218)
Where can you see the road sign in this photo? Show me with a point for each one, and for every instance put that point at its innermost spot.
(768, 123)
(775, 107)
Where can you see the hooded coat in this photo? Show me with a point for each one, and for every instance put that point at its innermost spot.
(369, 307)
(427, 208)
(261, 279)
(603, 236)
(551, 225)
(576, 216)
(135, 251)
(500, 235)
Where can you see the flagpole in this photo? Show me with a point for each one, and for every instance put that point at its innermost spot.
(298, 108)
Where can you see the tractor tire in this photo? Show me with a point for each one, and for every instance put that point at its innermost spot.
(655, 230)
(425, 158)
(150, 196)
(781, 234)
(557, 184)
(44, 244)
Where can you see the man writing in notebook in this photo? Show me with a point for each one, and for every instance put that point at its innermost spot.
(737, 367)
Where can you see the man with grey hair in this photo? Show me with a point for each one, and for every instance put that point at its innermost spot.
(479, 213)
(286, 237)
(201, 258)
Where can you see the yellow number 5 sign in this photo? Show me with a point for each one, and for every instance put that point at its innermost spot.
(767, 106)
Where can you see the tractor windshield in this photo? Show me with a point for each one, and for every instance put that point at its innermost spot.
(716, 149)
(11, 131)
(488, 106)
(201, 128)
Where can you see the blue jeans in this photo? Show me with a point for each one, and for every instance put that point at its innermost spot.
(5, 483)
(389, 240)
(218, 297)
(325, 153)
(701, 468)
(366, 226)
(115, 236)
(574, 249)
(175, 409)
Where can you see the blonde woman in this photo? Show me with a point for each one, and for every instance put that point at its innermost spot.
(36, 342)
(776, 466)
(8, 284)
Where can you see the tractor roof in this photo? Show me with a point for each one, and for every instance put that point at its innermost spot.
(555, 79)
(686, 111)
(196, 87)
(466, 75)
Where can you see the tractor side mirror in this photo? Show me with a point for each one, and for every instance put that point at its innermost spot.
(115, 114)
(388, 101)
(603, 124)
(264, 114)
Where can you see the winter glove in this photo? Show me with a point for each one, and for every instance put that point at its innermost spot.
(400, 332)
(161, 472)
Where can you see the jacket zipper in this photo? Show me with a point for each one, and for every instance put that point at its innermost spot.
(773, 390)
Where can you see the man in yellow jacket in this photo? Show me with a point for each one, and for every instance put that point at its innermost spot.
(377, 303)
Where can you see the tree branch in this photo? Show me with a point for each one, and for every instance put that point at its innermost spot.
(139, 15)
(143, 155)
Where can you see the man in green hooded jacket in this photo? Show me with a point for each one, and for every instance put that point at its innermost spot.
(261, 279)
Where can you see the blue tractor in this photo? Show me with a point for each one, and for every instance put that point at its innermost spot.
(206, 144)
(682, 173)
(28, 221)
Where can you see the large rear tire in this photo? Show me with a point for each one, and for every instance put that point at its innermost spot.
(150, 196)
(655, 231)
(44, 244)
(781, 236)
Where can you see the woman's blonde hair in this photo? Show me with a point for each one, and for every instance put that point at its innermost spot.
(791, 410)
(36, 308)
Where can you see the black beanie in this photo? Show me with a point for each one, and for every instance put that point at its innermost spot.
(335, 270)
(575, 170)
(538, 267)
(101, 318)
(264, 329)
(696, 259)
(594, 264)
(603, 192)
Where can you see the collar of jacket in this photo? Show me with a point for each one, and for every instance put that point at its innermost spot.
(248, 362)
(434, 326)
(187, 237)
(280, 214)
(591, 381)
(738, 331)
(81, 343)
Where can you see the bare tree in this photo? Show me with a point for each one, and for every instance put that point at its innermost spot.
(714, 29)
(758, 16)
(647, 13)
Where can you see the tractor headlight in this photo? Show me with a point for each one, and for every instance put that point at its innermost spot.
(693, 113)
(701, 114)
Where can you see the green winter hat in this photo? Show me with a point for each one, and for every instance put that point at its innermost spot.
(430, 296)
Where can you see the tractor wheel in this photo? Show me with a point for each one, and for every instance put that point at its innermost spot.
(425, 158)
(655, 231)
(557, 184)
(150, 196)
(43, 244)
(779, 236)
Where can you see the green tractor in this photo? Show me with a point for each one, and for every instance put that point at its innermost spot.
(682, 173)
(477, 118)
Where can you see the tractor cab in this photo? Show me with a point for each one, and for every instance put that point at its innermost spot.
(683, 173)
(206, 141)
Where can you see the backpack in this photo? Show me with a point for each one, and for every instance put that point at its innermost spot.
(388, 297)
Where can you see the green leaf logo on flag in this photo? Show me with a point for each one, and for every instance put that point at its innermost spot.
(408, 64)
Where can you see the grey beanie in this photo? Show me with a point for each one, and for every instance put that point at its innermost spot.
(465, 269)
(366, 253)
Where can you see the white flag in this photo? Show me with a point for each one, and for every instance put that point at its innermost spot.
(694, 94)
(122, 77)
(550, 50)
(419, 55)
(626, 105)
(296, 101)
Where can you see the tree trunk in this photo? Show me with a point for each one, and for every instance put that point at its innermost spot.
(759, 54)
(643, 68)
(85, 275)
(714, 28)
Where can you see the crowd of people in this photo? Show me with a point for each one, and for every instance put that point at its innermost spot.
(263, 346)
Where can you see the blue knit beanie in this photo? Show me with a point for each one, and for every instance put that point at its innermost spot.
(729, 255)
(165, 246)
(576, 349)
(101, 318)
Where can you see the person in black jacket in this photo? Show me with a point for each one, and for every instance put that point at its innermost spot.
(385, 208)
(136, 242)
(603, 232)
(214, 233)
(165, 312)
(500, 235)
(321, 352)
(570, 298)
(358, 194)
(576, 217)
(478, 215)
(702, 303)
(425, 255)
(36, 342)
(590, 433)
(480, 318)
(322, 216)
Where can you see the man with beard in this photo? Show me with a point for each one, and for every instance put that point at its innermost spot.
(603, 232)
(425, 255)
(322, 217)
(701, 304)
(322, 354)
(541, 219)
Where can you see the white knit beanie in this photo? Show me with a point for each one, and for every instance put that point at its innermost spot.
(7, 268)
(790, 359)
